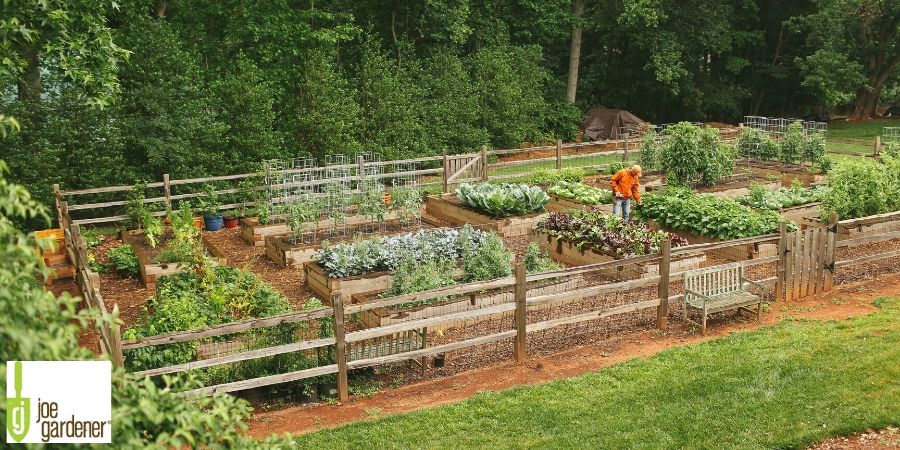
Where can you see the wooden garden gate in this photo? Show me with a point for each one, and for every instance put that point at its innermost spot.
(806, 262)
(462, 168)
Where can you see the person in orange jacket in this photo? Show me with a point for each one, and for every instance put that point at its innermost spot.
(625, 186)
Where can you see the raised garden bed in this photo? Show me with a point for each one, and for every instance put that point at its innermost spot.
(800, 212)
(255, 233)
(323, 285)
(739, 252)
(559, 204)
(785, 173)
(284, 251)
(386, 316)
(446, 208)
(738, 187)
(150, 271)
(569, 254)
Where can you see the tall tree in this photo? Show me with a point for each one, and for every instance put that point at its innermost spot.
(68, 37)
(855, 51)
(575, 52)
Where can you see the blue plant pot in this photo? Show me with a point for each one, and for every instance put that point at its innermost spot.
(213, 223)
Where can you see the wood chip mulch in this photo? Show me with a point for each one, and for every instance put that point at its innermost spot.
(888, 438)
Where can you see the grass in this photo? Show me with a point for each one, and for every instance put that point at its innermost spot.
(784, 386)
(574, 162)
(866, 130)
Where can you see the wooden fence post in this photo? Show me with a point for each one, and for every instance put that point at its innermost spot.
(484, 163)
(167, 189)
(877, 145)
(779, 266)
(829, 252)
(446, 169)
(57, 198)
(340, 346)
(662, 311)
(625, 153)
(521, 311)
(558, 154)
(117, 357)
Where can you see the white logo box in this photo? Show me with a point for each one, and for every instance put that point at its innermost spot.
(77, 393)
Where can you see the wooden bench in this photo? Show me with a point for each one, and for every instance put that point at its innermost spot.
(718, 289)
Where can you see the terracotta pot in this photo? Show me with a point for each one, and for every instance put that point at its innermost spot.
(387, 198)
(231, 222)
(198, 222)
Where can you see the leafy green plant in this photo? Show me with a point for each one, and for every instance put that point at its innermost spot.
(716, 160)
(537, 261)
(581, 193)
(123, 259)
(371, 205)
(502, 200)
(615, 167)
(691, 154)
(188, 301)
(814, 150)
(861, 188)
(248, 196)
(418, 276)
(135, 208)
(650, 151)
(386, 253)
(301, 214)
(263, 212)
(92, 236)
(153, 229)
(209, 203)
(708, 215)
(490, 261)
(551, 176)
(185, 245)
(791, 145)
(407, 201)
(605, 233)
(761, 197)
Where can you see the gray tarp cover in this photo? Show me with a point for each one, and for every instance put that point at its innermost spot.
(605, 123)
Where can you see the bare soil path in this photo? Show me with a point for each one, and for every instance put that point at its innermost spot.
(847, 301)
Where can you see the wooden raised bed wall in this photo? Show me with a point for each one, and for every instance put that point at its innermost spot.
(323, 285)
(442, 208)
(569, 254)
(151, 271)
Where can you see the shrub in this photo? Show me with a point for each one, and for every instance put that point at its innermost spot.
(860, 188)
(123, 259)
(753, 143)
(502, 200)
(716, 160)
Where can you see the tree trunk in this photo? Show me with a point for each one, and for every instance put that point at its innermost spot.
(866, 104)
(29, 86)
(575, 52)
(161, 9)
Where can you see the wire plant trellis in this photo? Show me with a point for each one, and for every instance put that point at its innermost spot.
(777, 126)
(890, 135)
(347, 195)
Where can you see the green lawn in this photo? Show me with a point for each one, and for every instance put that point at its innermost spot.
(574, 162)
(783, 386)
(859, 130)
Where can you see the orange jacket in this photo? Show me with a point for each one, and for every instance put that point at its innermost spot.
(626, 183)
